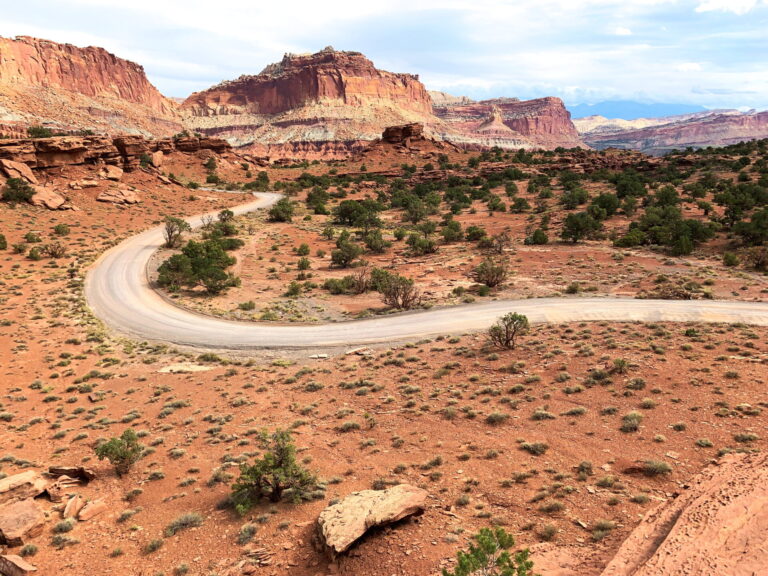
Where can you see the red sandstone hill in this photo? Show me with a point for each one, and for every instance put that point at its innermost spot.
(332, 103)
(508, 123)
(657, 136)
(70, 88)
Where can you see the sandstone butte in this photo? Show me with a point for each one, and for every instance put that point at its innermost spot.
(70, 88)
(333, 103)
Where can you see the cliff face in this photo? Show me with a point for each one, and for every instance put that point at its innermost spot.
(509, 123)
(719, 128)
(332, 103)
(43, 82)
(319, 104)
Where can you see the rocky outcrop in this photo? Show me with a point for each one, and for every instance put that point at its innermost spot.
(661, 135)
(122, 152)
(716, 526)
(120, 195)
(17, 170)
(401, 134)
(308, 105)
(67, 87)
(20, 521)
(508, 123)
(341, 525)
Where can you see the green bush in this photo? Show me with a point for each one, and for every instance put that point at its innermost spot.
(275, 476)
(282, 211)
(490, 556)
(122, 452)
(3, 242)
(17, 190)
(39, 132)
(507, 329)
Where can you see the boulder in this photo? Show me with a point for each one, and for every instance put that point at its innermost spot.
(74, 505)
(47, 198)
(80, 472)
(131, 148)
(112, 173)
(340, 525)
(20, 486)
(12, 565)
(80, 184)
(20, 521)
(156, 159)
(18, 170)
(92, 509)
(399, 134)
(119, 196)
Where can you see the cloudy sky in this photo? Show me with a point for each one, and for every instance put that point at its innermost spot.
(711, 53)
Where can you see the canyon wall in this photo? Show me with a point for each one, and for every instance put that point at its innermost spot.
(71, 88)
(660, 135)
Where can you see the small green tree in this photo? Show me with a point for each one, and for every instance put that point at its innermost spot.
(275, 476)
(17, 190)
(491, 557)
(173, 229)
(39, 132)
(506, 330)
(122, 452)
(282, 211)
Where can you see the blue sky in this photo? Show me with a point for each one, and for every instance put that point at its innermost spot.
(711, 53)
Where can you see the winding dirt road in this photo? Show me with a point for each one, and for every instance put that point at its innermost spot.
(118, 291)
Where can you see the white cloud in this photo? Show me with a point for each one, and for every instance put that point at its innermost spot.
(739, 7)
(689, 67)
(622, 31)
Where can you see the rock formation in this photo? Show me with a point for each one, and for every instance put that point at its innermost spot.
(71, 88)
(341, 525)
(716, 526)
(507, 123)
(119, 153)
(323, 104)
(660, 135)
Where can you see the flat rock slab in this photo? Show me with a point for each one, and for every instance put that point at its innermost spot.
(342, 524)
(92, 509)
(715, 526)
(21, 486)
(12, 565)
(19, 521)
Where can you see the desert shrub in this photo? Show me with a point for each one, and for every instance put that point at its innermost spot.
(17, 190)
(275, 476)
(173, 228)
(656, 468)
(282, 211)
(39, 132)
(345, 253)
(3, 242)
(61, 230)
(538, 237)
(122, 452)
(199, 264)
(630, 422)
(507, 329)
(55, 250)
(398, 291)
(475, 233)
(183, 522)
(491, 272)
(490, 556)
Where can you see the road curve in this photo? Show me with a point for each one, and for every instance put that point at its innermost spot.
(118, 292)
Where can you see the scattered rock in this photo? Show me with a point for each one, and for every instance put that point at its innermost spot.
(340, 525)
(47, 198)
(80, 184)
(84, 474)
(119, 196)
(12, 565)
(92, 509)
(57, 489)
(20, 521)
(28, 484)
(112, 173)
(18, 170)
(73, 507)
(362, 351)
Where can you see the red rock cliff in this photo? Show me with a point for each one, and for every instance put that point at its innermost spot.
(71, 87)
(302, 80)
(510, 123)
(328, 103)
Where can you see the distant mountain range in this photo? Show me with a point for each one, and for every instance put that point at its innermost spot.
(632, 110)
